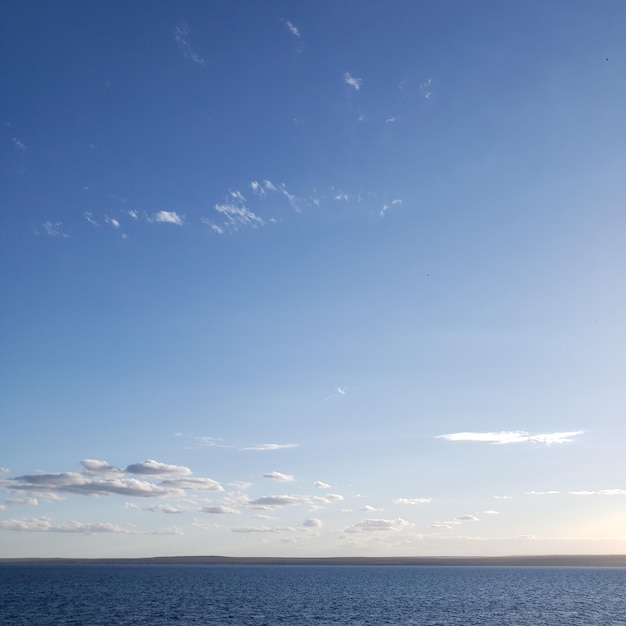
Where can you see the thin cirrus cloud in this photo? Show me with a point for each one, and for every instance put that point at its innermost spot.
(294, 30)
(412, 500)
(262, 447)
(513, 436)
(278, 501)
(279, 476)
(181, 36)
(352, 81)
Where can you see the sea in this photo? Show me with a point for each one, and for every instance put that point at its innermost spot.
(258, 595)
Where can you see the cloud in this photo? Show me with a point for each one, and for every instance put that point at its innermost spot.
(270, 502)
(44, 524)
(237, 216)
(541, 493)
(279, 476)
(219, 510)
(272, 446)
(5, 470)
(412, 500)
(155, 468)
(491, 512)
(102, 479)
(90, 218)
(18, 144)
(195, 484)
(312, 522)
(257, 188)
(369, 509)
(133, 214)
(387, 207)
(182, 39)
(240, 484)
(515, 436)
(352, 81)
(168, 217)
(29, 501)
(113, 222)
(318, 484)
(391, 120)
(164, 508)
(292, 29)
(466, 518)
(53, 229)
(378, 525)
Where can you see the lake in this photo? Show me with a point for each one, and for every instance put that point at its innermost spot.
(90, 595)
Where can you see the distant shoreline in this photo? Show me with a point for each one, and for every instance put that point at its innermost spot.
(569, 560)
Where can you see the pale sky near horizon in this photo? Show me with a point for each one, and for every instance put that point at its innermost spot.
(313, 279)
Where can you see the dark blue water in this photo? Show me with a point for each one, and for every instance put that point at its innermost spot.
(153, 595)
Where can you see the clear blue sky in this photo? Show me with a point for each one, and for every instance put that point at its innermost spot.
(323, 278)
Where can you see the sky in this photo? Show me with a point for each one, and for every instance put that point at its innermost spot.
(334, 278)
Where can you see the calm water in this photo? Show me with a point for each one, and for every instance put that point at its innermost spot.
(91, 595)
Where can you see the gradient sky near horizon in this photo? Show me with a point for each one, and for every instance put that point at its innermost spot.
(313, 279)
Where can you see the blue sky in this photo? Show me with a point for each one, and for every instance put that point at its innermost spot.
(331, 278)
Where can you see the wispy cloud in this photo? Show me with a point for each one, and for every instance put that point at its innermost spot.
(272, 446)
(272, 502)
(466, 518)
(112, 221)
(387, 207)
(392, 120)
(163, 508)
(263, 529)
(369, 509)
(168, 217)
(44, 524)
(425, 88)
(155, 468)
(238, 215)
(18, 144)
(517, 436)
(352, 80)
(90, 218)
(378, 525)
(182, 39)
(292, 28)
(54, 229)
(412, 500)
(279, 476)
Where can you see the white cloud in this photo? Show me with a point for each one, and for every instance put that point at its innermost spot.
(111, 221)
(312, 522)
(263, 529)
(292, 29)
(391, 120)
(515, 436)
(369, 509)
(219, 510)
(352, 81)
(318, 484)
(182, 39)
(99, 467)
(195, 484)
(240, 484)
(155, 468)
(378, 525)
(257, 188)
(237, 195)
(270, 502)
(168, 217)
(412, 500)
(269, 185)
(44, 524)
(53, 229)
(491, 512)
(272, 446)
(279, 476)
(164, 508)
(239, 215)
(541, 493)
(214, 227)
(132, 213)
(466, 518)
(5, 470)
(90, 218)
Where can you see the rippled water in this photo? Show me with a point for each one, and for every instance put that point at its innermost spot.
(91, 595)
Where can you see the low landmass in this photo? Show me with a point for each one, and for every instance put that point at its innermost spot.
(556, 560)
